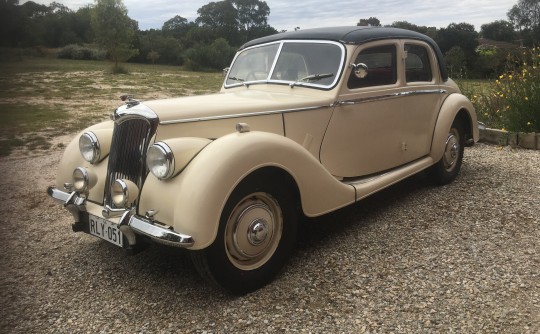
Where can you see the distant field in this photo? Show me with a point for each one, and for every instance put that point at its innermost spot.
(471, 87)
(42, 98)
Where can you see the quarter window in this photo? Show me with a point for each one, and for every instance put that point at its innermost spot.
(381, 63)
(417, 64)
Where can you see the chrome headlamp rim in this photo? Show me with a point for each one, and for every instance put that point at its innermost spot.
(119, 193)
(81, 179)
(166, 154)
(89, 140)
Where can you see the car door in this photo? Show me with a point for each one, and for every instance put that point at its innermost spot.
(385, 119)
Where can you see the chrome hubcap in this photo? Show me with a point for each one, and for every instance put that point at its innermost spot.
(253, 231)
(451, 152)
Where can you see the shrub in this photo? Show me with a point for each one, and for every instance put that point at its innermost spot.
(519, 91)
(512, 101)
(119, 69)
(74, 51)
(215, 56)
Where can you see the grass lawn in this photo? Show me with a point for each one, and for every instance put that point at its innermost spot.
(42, 98)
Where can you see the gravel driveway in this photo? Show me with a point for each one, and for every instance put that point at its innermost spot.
(463, 258)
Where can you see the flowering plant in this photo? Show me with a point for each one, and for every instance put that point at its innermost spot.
(512, 101)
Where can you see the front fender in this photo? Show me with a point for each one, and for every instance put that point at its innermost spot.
(193, 201)
(454, 106)
(72, 158)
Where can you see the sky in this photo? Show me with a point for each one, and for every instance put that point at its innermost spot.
(288, 14)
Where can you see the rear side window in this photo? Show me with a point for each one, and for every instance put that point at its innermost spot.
(417, 64)
(382, 69)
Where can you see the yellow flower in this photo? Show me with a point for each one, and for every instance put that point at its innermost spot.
(529, 123)
(526, 98)
(510, 77)
(502, 75)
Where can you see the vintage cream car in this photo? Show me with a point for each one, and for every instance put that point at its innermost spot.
(306, 122)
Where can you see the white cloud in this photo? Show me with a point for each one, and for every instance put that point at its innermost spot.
(286, 14)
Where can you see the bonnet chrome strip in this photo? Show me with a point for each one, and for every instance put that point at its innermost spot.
(258, 113)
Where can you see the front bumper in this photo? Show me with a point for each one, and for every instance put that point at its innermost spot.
(129, 223)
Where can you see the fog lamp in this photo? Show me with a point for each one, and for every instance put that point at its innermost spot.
(124, 193)
(81, 179)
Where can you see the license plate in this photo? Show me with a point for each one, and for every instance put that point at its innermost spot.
(105, 230)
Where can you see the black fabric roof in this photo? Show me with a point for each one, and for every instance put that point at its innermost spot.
(353, 35)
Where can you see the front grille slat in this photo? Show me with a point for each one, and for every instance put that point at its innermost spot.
(129, 144)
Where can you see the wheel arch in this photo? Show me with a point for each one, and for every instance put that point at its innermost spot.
(455, 107)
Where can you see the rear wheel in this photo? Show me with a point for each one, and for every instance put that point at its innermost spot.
(447, 169)
(256, 234)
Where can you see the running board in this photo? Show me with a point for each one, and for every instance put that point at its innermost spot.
(370, 185)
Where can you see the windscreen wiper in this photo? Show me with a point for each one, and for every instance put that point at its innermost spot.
(312, 78)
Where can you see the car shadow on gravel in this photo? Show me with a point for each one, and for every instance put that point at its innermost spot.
(159, 267)
(317, 231)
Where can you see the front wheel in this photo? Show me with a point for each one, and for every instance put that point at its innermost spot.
(256, 234)
(447, 169)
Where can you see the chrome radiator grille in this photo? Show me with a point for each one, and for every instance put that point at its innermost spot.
(130, 141)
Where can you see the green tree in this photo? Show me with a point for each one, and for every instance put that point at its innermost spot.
(371, 22)
(11, 21)
(455, 60)
(152, 56)
(251, 17)
(462, 35)
(500, 30)
(114, 30)
(235, 20)
(525, 16)
(217, 55)
(220, 18)
(429, 31)
(169, 48)
(177, 27)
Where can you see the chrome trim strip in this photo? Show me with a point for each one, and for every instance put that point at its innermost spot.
(125, 112)
(392, 96)
(259, 113)
(278, 54)
(159, 234)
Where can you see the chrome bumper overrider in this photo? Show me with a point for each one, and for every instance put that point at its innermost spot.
(129, 223)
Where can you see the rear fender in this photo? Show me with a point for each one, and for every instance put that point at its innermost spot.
(456, 106)
(193, 201)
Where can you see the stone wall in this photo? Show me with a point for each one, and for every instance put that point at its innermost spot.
(515, 139)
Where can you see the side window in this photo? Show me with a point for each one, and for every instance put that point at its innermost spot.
(417, 64)
(382, 69)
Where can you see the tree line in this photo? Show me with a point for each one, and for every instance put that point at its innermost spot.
(104, 29)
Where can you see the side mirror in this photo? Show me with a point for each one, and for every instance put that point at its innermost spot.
(226, 71)
(360, 70)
